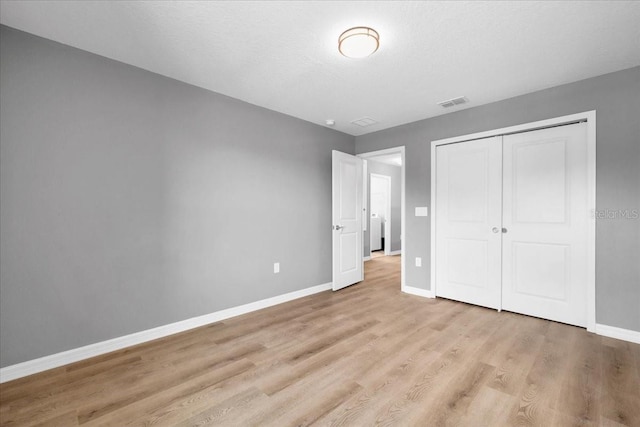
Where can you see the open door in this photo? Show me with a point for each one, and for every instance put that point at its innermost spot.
(348, 264)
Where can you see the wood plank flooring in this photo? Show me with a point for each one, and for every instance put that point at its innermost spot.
(366, 355)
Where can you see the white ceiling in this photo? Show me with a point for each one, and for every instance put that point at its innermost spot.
(283, 55)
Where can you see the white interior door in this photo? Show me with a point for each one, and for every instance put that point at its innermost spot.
(468, 221)
(546, 218)
(348, 263)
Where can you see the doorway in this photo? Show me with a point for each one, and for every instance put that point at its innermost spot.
(380, 220)
(385, 168)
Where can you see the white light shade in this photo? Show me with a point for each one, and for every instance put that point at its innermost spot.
(358, 42)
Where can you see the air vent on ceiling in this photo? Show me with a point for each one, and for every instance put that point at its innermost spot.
(453, 102)
(364, 122)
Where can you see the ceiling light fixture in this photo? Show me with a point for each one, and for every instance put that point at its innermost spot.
(358, 42)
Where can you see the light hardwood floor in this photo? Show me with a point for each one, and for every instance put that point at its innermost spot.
(365, 355)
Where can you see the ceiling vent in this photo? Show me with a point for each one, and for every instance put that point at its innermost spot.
(364, 122)
(453, 102)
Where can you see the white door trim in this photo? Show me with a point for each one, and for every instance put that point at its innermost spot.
(403, 218)
(590, 118)
(387, 213)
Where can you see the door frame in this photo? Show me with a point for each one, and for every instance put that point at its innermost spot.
(370, 155)
(590, 118)
(387, 213)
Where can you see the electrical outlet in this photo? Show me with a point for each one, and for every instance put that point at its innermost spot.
(276, 267)
(418, 261)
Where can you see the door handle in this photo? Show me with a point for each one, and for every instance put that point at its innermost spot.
(495, 229)
(504, 230)
(338, 227)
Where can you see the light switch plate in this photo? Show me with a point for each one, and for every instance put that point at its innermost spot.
(422, 211)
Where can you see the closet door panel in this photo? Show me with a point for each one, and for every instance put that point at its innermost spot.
(545, 217)
(468, 203)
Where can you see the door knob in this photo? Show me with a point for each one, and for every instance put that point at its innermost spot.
(338, 227)
(495, 229)
(504, 230)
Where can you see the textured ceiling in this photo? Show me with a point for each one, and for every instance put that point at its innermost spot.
(283, 55)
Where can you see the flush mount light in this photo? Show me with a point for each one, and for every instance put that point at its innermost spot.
(358, 42)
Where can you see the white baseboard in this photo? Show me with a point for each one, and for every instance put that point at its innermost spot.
(604, 330)
(393, 253)
(34, 366)
(418, 291)
(367, 258)
(618, 333)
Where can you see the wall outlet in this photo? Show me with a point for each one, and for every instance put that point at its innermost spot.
(418, 261)
(276, 267)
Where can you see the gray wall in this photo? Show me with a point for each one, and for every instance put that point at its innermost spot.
(616, 97)
(130, 200)
(396, 196)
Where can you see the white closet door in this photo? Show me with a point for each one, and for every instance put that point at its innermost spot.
(546, 217)
(468, 217)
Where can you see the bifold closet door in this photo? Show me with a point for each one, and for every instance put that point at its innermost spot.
(468, 218)
(546, 218)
